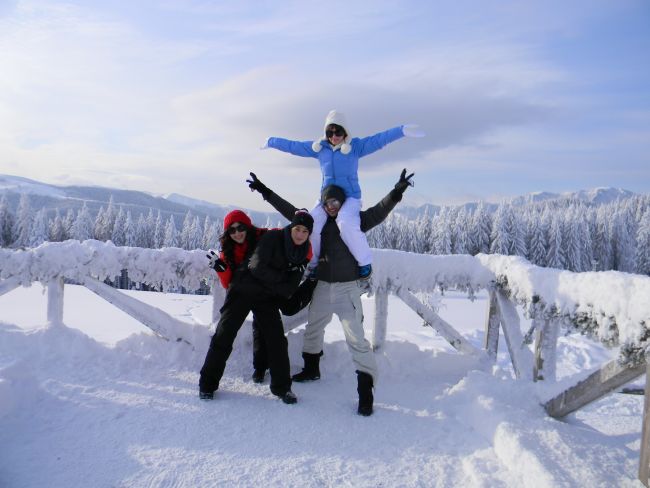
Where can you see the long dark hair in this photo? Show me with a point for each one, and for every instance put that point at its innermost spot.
(228, 244)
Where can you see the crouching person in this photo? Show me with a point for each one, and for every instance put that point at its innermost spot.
(272, 276)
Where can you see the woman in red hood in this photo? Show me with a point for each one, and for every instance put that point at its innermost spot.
(237, 244)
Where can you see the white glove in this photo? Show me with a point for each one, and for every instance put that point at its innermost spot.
(266, 144)
(412, 130)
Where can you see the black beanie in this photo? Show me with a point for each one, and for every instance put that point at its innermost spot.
(332, 191)
(302, 217)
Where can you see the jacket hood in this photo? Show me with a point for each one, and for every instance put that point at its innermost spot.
(335, 117)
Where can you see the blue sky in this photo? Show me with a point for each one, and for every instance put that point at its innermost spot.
(178, 95)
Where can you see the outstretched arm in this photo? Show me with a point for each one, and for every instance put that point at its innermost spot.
(377, 214)
(285, 208)
(370, 144)
(297, 148)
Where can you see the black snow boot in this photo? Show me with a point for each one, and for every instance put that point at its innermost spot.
(287, 397)
(364, 388)
(311, 371)
(258, 376)
(206, 395)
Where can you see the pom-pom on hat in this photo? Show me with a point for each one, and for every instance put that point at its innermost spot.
(303, 218)
(236, 216)
(337, 118)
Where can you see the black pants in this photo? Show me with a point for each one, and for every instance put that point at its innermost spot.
(260, 360)
(233, 314)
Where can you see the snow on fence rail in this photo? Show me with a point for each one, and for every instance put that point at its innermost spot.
(610, 306)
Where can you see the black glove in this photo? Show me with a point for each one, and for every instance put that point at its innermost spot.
(216, 263)
(401, 186)
(256, 185)
(404, 181)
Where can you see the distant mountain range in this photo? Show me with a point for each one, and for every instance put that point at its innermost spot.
(65, 197)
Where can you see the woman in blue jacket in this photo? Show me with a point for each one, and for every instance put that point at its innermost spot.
(338, 154)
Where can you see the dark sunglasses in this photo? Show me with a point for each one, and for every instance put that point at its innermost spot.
(332, 203)
(236, 228)
(335, 132)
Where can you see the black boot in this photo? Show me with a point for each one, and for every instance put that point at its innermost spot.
(206, 395)
(364, 388)
(287, 397)
(258, 376)
(311, 371)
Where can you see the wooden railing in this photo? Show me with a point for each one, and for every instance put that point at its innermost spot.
(511, 283)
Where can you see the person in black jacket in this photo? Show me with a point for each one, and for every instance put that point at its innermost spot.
(339, 290)
(272, 276)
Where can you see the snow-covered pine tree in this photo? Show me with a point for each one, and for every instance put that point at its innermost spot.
(603, 249)
(141, 238)
(538, 244)
(150, 227)
(186, 230)
(460, 232)
(517, 233)
(159, 232)
(23, 224)
(68, 222)
(624, 240)
(117, 236)
(422, 233)
(555, 254)
(171, 234)
(98, 230)
(481, 229)
(56, 231)
(501, 240)
(129, 231)
(571, 242)
(207, 239)
(642, 258)
(83, 226)
(7, 222)
(442, 232)
(583, 229)
(39, 232)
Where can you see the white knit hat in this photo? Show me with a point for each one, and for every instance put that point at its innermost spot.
(337, 118)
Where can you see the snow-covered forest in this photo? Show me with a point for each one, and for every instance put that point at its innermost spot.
(564, 234)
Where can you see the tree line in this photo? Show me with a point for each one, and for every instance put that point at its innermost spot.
(564, 234)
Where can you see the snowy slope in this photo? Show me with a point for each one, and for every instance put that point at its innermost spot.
(103, 402)
(19, 184)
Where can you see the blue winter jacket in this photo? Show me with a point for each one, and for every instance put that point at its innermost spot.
(338, 168)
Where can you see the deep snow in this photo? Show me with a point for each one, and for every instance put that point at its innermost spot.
(103, 402)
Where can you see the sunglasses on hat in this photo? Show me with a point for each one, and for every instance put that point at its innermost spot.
(338, 132)
(233, 229)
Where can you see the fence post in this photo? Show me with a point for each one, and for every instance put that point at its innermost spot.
(381, 319)
(520, 355)
(55, 301)
(492, 327)
(546, 331)
(644, 458)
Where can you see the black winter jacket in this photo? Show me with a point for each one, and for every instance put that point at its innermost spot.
(336, 263)
(269, 273)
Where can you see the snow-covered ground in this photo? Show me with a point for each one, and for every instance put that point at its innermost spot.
(102, 402)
